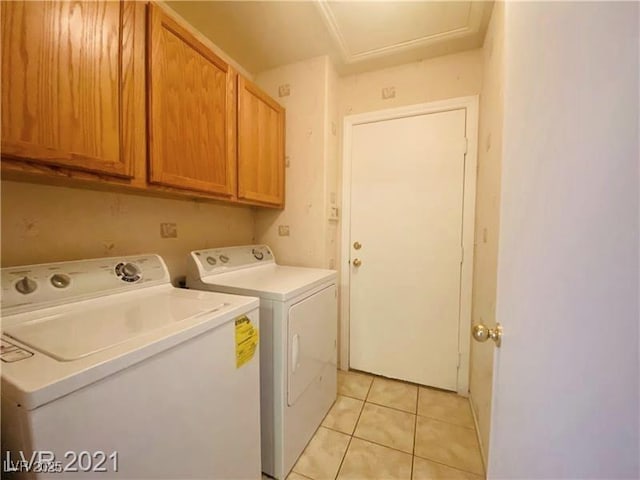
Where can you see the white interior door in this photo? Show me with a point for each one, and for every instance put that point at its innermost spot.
(407, 191)
(566, 378)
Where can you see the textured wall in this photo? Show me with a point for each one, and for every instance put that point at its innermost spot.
(311, 170)
(487, 220)
(433, 79)
(46, 224)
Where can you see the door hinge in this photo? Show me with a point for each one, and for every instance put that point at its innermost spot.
(466, 145)
(459, 360)
(461, 255)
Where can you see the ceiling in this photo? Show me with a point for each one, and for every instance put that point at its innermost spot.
(358, 35)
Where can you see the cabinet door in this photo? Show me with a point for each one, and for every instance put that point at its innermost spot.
(191, 111)
(69, 76)
(260, 146)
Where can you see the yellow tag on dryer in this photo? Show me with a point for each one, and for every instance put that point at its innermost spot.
(246, 340)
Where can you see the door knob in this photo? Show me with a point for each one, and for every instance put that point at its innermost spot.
(357, 245)
(357, 262)
(481, 333)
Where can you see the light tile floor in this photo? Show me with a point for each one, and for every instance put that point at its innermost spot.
(387, 429)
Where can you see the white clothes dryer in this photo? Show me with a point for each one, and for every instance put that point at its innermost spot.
(298, 355)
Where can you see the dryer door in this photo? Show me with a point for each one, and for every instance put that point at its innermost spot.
(311, 340)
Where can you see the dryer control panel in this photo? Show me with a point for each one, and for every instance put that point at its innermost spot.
(221, 260)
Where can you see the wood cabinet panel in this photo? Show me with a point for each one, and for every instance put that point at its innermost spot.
(260, 146)
(191, 111)
(71, 84)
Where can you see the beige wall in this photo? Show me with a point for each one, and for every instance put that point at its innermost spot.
(487, 220)
(45, 224)
(438, 78)
(310, 172)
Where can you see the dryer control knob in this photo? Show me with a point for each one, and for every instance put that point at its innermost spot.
(26, 285)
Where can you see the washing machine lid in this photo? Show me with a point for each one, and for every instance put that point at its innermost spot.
(85, 330)
(270, 281)
(75, 345)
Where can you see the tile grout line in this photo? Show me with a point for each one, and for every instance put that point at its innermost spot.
(351, 436)
(448, 423)
(381, 445)
(449, 466)
(392, 408)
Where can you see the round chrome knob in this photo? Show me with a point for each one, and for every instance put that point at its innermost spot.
(357, 262)
(224, 258)
(211, 260)
(26, 285)
(60, 280)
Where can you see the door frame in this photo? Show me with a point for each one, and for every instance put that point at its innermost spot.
(470, 104)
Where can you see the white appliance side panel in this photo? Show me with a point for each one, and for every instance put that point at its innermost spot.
(187, 412)
(311, 340)
(267, 387)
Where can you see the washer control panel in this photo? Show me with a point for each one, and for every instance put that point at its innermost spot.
(10, 352)
(38, 286)
(221, 260)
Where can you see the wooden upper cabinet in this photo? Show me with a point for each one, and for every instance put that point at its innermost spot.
(260, 146)
(191, 111)
(72, 78)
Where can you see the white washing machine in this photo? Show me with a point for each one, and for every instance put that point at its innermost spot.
(108, 371)
(298, 318)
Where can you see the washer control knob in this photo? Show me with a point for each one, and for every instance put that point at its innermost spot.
(211, 260)
(26, 285)
(257, 253)
(128, 272)
(60, 280)
(224, 258)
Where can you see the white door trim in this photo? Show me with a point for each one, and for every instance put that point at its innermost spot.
(470, 104)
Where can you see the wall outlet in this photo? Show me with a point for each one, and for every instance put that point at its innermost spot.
(388, 92)
(333, 213)
(283, 230)
(284, 90)
(168, 230)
